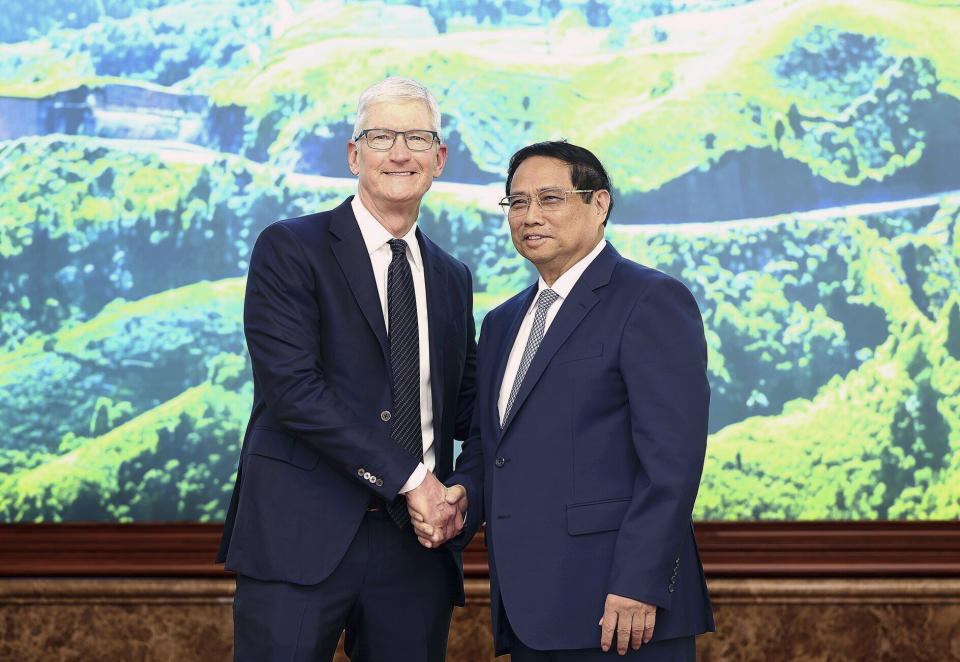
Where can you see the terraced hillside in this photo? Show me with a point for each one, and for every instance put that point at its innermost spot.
(792, 161)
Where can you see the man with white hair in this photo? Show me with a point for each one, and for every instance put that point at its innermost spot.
(361, 336)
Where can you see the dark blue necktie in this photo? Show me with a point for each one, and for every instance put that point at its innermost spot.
(405, 363)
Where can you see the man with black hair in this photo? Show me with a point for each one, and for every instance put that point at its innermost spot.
(589, 434)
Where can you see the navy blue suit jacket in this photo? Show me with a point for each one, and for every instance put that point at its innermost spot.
(321, 371)
(588, 488)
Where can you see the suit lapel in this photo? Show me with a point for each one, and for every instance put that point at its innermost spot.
(513, 316)
(575, 307)
(438, 315)
(351, 254)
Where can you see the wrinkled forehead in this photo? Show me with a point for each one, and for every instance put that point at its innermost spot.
(398, 115)
(538, 173)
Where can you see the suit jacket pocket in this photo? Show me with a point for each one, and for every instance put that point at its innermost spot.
(596, 516)
(278, 445)
(579, 353)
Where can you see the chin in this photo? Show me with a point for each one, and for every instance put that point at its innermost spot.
(398, 196)
(530, 256)
(405, 189)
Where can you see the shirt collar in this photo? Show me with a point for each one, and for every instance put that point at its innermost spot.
(564, 284)
(375, 236)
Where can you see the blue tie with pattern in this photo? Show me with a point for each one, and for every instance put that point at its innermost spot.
(544, 301)
(405, 427)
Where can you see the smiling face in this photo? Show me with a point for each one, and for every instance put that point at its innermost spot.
(392, 183)
(555, 240)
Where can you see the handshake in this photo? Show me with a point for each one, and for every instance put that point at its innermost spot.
(436, 511)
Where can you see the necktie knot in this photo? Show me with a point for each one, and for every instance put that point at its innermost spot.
(398, 247)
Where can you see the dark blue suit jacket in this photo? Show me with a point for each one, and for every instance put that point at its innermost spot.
(321, 370)
(589, 487)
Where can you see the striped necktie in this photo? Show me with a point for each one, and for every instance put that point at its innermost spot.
(544, 301)
(405, 426)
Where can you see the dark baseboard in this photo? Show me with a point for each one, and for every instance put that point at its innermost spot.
(728, 549)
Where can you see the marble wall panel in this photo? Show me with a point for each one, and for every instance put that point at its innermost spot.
(758, 620)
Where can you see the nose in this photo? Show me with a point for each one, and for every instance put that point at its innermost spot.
(534, 214)
(400, 151)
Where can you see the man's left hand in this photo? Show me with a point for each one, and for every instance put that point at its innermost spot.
(632, 621)
(433, 536)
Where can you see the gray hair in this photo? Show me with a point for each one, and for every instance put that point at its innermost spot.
(396, 89)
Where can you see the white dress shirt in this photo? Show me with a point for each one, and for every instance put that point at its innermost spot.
(562, 286)
(376, 238)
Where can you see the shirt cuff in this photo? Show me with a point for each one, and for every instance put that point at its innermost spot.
(413, 482)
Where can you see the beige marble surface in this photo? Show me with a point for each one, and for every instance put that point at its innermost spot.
(763, 620)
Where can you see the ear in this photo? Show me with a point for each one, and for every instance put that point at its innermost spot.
(441, 160)
(353, 157)
(601, 203)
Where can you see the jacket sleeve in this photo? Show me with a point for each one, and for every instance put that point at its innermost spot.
(469, 469)
(467, 393)
(663, 360)
(282, 327)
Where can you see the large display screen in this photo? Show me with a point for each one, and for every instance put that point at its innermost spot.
(795, 163)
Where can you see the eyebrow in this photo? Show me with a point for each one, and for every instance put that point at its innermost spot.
(543, 188)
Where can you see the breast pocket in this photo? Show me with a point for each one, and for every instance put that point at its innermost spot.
(596, 516)
(580, 353)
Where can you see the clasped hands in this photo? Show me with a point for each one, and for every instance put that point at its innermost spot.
(436, 511)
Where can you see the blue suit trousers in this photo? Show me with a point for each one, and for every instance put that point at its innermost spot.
(392, 597)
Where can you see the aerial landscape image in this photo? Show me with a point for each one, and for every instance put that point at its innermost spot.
(796, 163)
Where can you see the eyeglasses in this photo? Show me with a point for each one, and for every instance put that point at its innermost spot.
(383, 139)
(549, 199)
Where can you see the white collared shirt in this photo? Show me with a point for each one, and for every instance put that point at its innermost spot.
(562, 286)
(376, 238)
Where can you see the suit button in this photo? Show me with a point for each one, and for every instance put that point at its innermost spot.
(671, 588)
(500, 462)
(366, 475)
(360, 472)
(379, 482)
(384, 416)
(372, 479)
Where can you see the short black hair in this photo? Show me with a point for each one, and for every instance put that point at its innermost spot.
(586, 171)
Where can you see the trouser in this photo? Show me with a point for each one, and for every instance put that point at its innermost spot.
(392, 597)
(682, 649)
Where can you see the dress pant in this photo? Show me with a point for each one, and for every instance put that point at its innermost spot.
(681, 649)
(392, 596)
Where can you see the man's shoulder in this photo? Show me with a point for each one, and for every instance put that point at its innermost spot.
(311, 223)
(443, 257)
(512, 303)
(637, 276)
(634, 283)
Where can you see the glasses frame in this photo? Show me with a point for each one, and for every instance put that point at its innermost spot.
(363, 134)
(505, 203)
